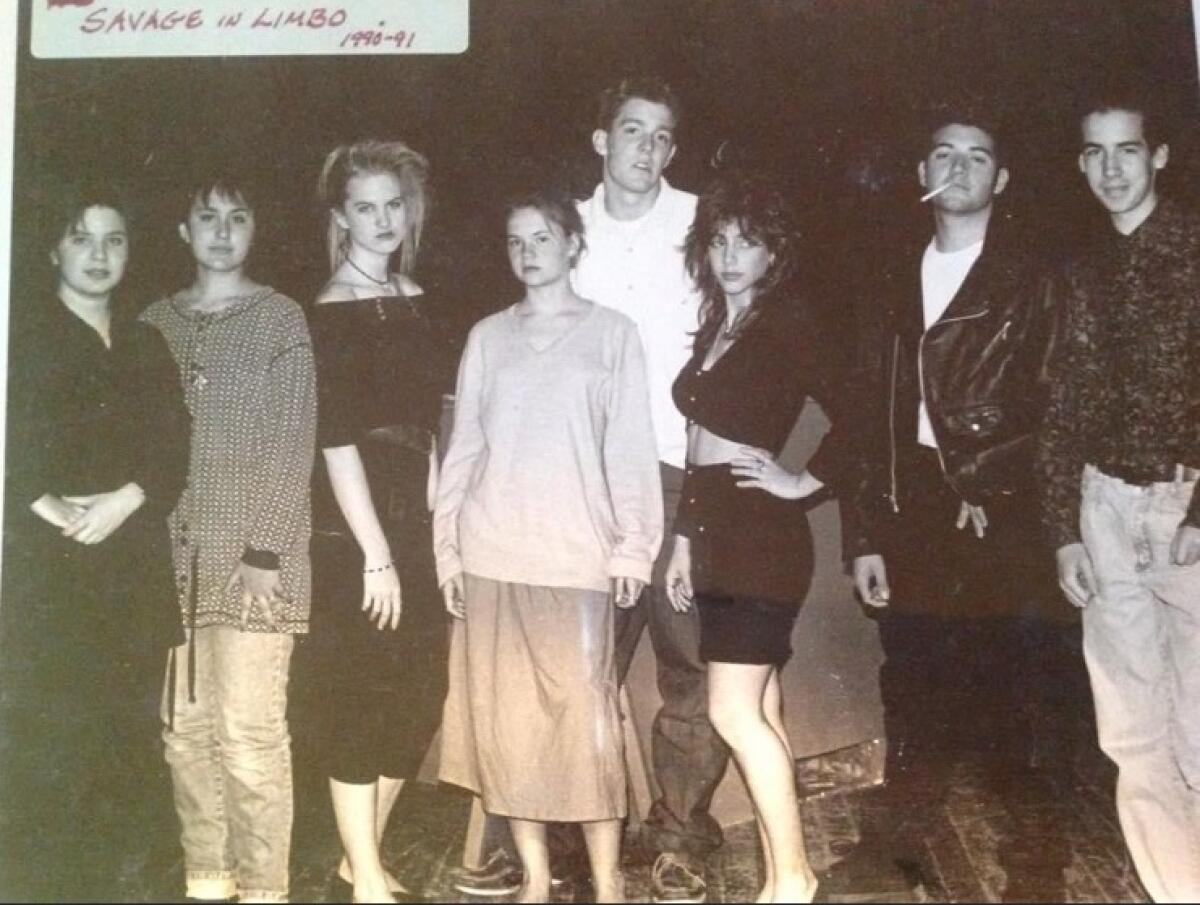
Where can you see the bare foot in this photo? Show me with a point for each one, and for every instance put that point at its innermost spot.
(804, 889)
(370, 892)
(393, 884)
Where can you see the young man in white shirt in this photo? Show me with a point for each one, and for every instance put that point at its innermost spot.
(635, 225)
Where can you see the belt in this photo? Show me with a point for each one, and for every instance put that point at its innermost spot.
(1144, 477)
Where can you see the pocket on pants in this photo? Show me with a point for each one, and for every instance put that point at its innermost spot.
(1178, 586)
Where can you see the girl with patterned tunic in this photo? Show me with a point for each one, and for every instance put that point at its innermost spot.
(240, 539)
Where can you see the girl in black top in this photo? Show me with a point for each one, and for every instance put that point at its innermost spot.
(743, 551)
(97, 456)
(377, 621)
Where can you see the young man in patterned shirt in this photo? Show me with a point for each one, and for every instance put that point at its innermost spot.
(240, 543)
(1124, 421)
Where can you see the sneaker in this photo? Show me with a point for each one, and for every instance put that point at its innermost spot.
(677, 877)
(499, 875)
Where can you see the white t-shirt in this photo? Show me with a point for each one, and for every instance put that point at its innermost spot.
(942, 275)
(636, 267)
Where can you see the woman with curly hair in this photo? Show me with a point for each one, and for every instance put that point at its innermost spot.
(743, 550)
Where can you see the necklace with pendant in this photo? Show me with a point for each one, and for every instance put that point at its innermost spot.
(386, 283)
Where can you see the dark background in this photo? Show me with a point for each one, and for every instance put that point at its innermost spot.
(827, 93)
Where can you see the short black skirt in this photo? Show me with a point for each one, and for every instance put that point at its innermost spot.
(752, 562)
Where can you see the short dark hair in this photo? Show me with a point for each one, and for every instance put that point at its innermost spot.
(965, 110)
(220, 180)
(762, 212)
(646, 87)
(1130, 97)
(556, 205)
(61, 205)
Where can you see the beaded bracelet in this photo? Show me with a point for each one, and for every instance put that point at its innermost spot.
(382, 568)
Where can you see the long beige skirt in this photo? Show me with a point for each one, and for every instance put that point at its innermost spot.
(532, 721)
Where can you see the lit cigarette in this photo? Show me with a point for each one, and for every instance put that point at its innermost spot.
(935, 192)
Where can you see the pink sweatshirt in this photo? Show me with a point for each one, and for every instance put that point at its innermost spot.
(552, 474)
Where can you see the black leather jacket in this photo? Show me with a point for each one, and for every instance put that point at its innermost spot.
(983, 365)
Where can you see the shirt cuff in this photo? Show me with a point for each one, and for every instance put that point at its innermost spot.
(261, 559)
(447, 567)
(629, 567)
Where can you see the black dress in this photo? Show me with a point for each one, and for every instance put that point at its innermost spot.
(85, 629)
(382, 368)
(752, 552)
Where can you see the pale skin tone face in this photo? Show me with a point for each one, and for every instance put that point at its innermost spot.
(373, 214)
(963, 157)
(539, 252)
(220, 232)
(637, 147)
(738, 262)
(92, 254)
(1120, 166)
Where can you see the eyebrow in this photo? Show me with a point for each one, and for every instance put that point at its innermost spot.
(76, 231)
(1132, 143)
(972, 148)
(637, 120)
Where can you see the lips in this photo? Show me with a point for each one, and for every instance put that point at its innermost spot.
(221, 249)
(384, 237)
(98, 273)
(731, 276)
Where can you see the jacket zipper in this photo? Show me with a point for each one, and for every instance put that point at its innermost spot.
(925, 393)
(892, 420)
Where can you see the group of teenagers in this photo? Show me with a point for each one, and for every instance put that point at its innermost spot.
(613, 462)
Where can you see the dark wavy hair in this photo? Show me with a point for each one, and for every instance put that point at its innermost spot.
(762, 212)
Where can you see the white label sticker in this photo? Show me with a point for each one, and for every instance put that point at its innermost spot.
(76, 29)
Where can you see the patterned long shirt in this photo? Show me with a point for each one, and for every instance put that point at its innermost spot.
(1126, 385)
(248, 380)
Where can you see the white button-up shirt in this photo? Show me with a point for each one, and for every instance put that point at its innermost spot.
(636, 267)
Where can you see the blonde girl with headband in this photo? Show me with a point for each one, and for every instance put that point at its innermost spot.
(379, 631)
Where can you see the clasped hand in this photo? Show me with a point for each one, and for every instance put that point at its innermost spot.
(91, 518)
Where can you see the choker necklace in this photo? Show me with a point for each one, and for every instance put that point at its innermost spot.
(387, 282)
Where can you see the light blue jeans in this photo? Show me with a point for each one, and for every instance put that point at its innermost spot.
(231, 764)
(1142, 645)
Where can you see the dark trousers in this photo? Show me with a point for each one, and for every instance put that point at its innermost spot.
(688, 755)
(973, 671)
(85, 799)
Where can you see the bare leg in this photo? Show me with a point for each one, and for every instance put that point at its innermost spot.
(354, 807)
(529, 836)
(603, 838)
(773, 712)
(736, 700)
(387, 791)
